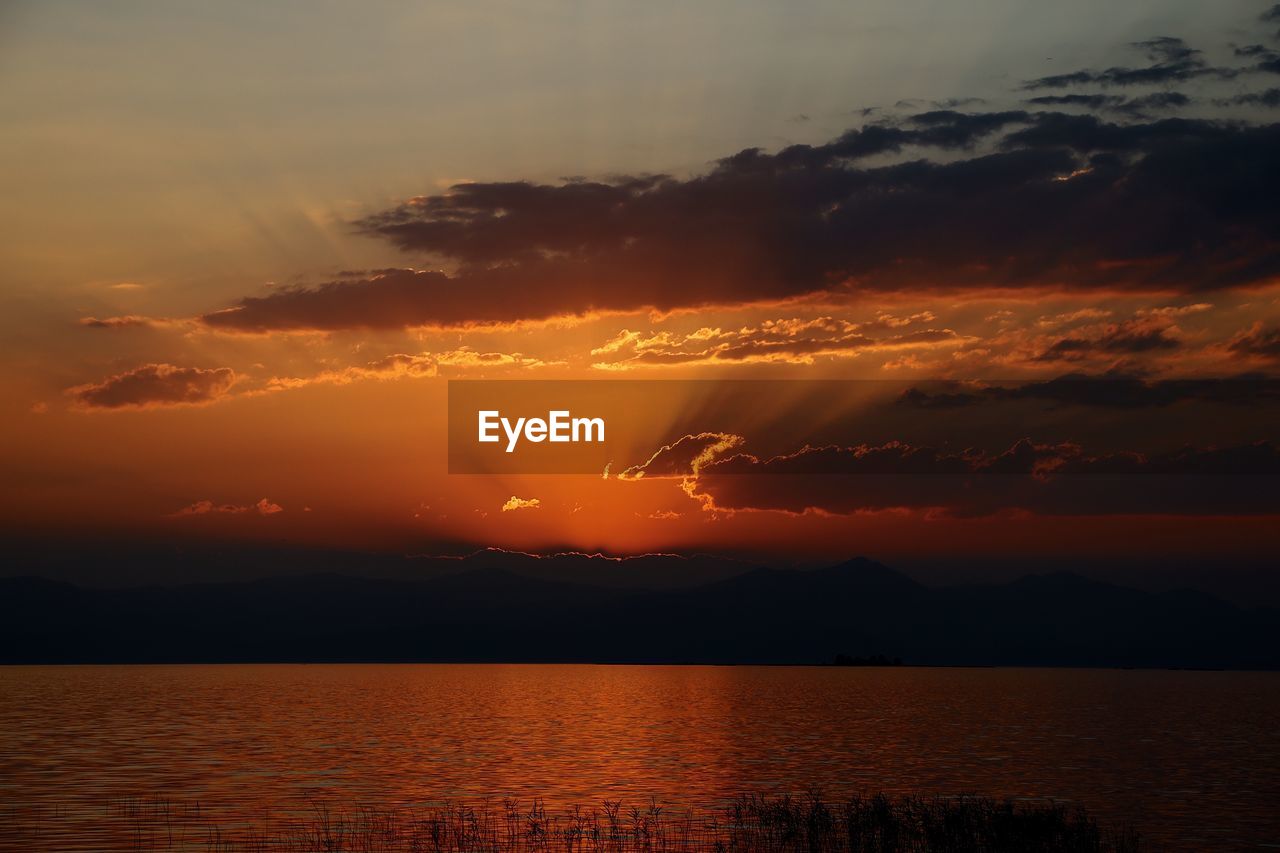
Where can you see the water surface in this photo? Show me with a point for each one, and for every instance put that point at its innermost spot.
(1191, 758)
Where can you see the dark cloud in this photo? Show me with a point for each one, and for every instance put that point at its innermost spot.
(1131, 336)
(1094, 101)
(1271, 16)
(155, 385)
(1269, 98)
(1143, 106)
(1268, 59)
(951, 129)
(1154, 103)
(1252, 50)
(1089, 134)
(1024, 458)
(1070, 201)
(1172, 61)
(1257, 342)
(1165, 49)
(1050, 479)
(942, 200)
(1102, 391)
(391, 299)
(954, 103)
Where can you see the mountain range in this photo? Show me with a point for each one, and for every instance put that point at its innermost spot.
(493, 613)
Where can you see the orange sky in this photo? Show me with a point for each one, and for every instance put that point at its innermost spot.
(357, 457)
(215, 333)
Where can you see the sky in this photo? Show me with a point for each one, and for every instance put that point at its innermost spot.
(245, 248)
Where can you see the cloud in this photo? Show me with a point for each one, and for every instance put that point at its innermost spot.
(1174, 310)
(403, 365)
(1048, 479)
(156, 385)
(1256, 342)
(1142, 106)
(396, 366)
(1172, 60)
(1074, 317)
(1269, 98)
(514, 503)
(1268, 59)
(1093, 101)
(1120, 392)
(683, 457)
(786, 341)
(206, 507)
(466, 357)
(386, 299)
(128, 321)
(1128, 337)
(941, 201)
(160, 385)
(1153, 104)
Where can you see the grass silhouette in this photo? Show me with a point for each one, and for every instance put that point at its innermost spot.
(750, 824)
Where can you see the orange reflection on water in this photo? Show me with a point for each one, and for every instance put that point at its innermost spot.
(1184, 755)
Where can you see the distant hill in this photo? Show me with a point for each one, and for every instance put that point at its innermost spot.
(859, 609)
(114, 564)
(643, 571)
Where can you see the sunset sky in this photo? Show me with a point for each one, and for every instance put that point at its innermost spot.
(244, 250)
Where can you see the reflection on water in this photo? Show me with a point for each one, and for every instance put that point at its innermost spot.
(1188, 757)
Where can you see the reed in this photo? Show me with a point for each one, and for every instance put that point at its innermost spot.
(749, 824)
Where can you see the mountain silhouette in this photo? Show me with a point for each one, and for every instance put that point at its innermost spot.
(859, 609)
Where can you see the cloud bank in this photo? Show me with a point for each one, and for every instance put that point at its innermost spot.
(1076, 191)
(1045, 479)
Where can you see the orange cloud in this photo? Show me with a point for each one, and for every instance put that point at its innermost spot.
(206, 507)
(402, 365)
(156, 385)
(1256, 342)
(514, 503)
(787, 341)
(1151, 333)
(466, 357)
(683, 457)
(127, 321)
(395, 366)
(115, 322)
